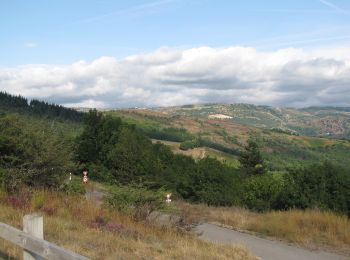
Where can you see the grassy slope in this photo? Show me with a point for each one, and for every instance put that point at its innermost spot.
(82, 226)
(85, 227)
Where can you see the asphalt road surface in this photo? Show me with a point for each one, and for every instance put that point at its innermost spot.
(264, 249)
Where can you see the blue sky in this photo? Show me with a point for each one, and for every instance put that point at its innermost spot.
(60, 32)
(104, 53)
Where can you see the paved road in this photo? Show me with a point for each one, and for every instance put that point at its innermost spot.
(262, 248)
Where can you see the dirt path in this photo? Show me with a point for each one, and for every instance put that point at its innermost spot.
(262, 248)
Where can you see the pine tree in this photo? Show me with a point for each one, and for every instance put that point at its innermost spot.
(251, 160)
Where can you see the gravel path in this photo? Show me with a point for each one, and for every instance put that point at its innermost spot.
(262, 248)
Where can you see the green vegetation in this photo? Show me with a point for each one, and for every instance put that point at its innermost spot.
(190, 144)
(202, 142)
(169, 134)
(137, 201)
(322, 186)
(251, 160)
(39, 108)
(219, 147)
(75, 186)
(35, 151)
(41, 151)
(130, 158)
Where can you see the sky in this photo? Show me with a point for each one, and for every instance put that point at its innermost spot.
(149, 53)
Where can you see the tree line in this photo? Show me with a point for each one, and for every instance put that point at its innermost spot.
(37, 107)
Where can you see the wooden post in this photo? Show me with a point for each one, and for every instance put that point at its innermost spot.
(33, 225)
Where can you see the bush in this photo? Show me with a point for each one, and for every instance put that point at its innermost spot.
(45, 177)
(322, 186)
(261, 191)
(137, 201)
(214, 183)
(168, 134)
(12, 179)
(190, 144)
(74, 186)
(100, 173)
(219, 147)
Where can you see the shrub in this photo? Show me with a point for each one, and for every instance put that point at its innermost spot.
(14, 178)
(261, 191)
(190, 144)
(214, 183)
(219, 147)
(322, 186)
(100, 173)
(169, 134)
(74, 186)
(137, 201)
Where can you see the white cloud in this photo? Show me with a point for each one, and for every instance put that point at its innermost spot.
(165, 77)
(87, 103)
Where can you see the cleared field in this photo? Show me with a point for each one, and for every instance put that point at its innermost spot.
(201, 152)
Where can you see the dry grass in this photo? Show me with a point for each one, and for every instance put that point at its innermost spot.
(79, 225)
(310, 228)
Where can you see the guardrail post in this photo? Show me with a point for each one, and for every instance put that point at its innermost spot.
(33, 225)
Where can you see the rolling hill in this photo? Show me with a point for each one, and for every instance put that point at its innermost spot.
(333, 122)
(287, 136)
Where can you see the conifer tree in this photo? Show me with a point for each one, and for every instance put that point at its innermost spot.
(251, 160)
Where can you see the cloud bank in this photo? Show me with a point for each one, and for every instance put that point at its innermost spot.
(167, 77)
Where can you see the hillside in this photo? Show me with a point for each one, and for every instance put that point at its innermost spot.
(225, 138)
(331, 122)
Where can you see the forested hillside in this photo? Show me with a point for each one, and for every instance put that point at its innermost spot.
(20, 104)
